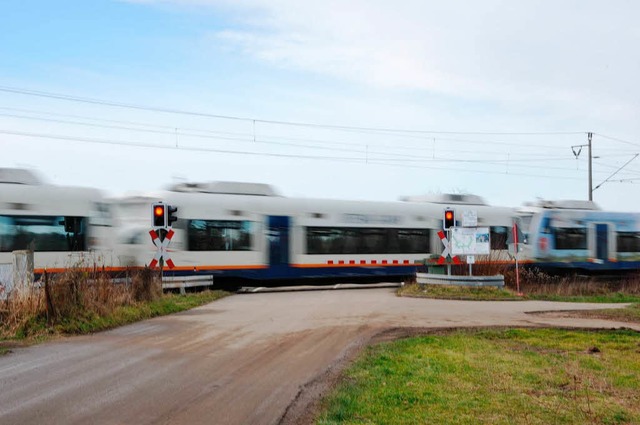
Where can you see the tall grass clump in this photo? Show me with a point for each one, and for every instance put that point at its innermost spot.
(68, 299)
(537, 283)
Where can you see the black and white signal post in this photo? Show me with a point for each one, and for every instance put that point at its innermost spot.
(162, 218)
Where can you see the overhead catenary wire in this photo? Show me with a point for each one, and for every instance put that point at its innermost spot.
(192, 130)
(167, 130)
(102, 102)
(374, 155)
(253, 121)
(372, 152)
(360, 160)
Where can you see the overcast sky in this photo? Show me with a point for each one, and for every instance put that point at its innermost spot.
(397, 98)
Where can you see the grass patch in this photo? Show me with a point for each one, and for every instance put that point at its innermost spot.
(612, 297)
(38, 328)
(520, 376)
(167, 304)
(451, 292)
(579, 294)
(80, 301)
(536, 284)
(630, 314)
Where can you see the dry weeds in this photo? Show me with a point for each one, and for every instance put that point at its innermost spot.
(74, 293)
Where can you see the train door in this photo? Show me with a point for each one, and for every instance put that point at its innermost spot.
(278, 237)
(602, 242)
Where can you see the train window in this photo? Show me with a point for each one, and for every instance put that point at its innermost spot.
(353, 240)
(628, 242)
(42, 233)
(570, 237)
(499, 236)
(219, 235)
(524, 223)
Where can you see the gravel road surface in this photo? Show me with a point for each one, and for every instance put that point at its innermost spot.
(259, 358)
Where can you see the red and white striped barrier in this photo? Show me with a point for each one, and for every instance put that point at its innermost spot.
(447, 251)
(162, 252)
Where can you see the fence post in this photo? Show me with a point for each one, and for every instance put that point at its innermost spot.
(22, 270)
(51, 309)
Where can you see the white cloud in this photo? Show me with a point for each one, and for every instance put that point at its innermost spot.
(577, 57)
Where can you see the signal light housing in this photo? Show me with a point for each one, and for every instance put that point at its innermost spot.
(171, 215)
(449, 219)
(159, 215)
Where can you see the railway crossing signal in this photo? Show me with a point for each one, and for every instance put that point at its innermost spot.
(163, 215)
(162, 218)
(447, 251)
(162, 254)
(159, 215)
(449, 219)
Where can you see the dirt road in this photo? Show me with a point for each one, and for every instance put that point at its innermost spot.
(246, 359)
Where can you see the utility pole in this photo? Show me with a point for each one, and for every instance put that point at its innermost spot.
(589, 136)
(577, 149)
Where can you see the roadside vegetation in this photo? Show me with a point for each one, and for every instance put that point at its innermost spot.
(536, 285)
(519, 376)
(631, 314)
(78, 302)
(452, 292)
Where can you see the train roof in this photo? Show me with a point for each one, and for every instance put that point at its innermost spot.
(563, 204)
(19, 176)
(23, 192)
(193, 203)
(226, 187)
(447, 198)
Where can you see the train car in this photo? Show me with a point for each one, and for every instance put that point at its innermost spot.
(579, 236)
(63, 226)
(248, 231)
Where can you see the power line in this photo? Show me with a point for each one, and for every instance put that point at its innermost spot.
(175, 129)
(171, 131)
(370, 154)
(247, 153)
(626, 142)
(101, 102)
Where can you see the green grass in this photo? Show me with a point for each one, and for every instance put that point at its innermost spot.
(611, 297)
(36, 328)
(542, 376)
(489, 293)
(451, 292)
(629, 314)
(167, 304)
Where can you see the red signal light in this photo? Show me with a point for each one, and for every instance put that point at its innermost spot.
(448, 219)
(159, 215)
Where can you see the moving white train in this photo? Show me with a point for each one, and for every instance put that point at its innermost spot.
(248, 231)
(63, 226)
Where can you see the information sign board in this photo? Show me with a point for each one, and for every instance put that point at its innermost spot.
(470, 241)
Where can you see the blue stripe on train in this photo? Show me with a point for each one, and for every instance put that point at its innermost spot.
(285, 272)
(588, 265)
